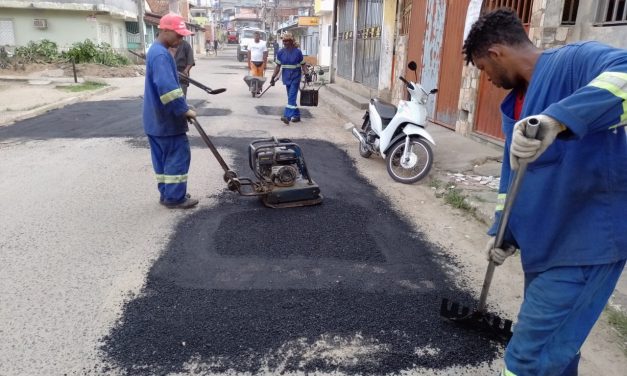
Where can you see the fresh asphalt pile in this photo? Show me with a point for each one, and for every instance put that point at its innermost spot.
(347, 286)
(244, 288)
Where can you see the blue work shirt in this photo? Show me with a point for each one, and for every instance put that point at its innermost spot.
(164, 103)
(570, 210)
(291, 61)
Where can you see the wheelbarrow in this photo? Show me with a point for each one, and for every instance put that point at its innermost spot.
(255, 84)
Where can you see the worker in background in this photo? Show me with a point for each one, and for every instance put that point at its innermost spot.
(184, 58)
(290, 60)
(165, 116)
(257, 57)
(569, 217)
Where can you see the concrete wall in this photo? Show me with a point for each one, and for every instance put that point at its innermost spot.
(585, 29)
(388, 31)
(65, 27)
(326, 40)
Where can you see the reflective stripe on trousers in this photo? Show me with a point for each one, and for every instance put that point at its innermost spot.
(170, 161)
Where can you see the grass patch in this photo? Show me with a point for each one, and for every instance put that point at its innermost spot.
(85, 86)
(618, 322)
(456, 199)
(451, 195)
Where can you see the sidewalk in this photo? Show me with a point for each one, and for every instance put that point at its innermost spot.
(28, 96)
(468, 166)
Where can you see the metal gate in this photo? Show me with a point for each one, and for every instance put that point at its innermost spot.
(451, 64)
(345, 27)
(368, 44)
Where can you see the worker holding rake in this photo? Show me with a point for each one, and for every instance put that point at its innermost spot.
(569, 217)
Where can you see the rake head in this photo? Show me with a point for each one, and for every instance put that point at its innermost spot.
(481, 321)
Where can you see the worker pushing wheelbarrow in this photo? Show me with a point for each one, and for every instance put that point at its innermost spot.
(257, 60)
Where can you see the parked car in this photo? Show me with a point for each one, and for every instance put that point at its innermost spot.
(231, 37)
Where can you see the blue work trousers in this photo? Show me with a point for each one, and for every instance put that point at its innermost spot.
(291, 110)
(559, 309)
(170, 159)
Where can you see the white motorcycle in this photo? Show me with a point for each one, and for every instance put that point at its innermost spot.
(398, 134)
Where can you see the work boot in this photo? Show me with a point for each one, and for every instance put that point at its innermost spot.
(285, 120)
(295, 119)
(187, 195)
(185, 204)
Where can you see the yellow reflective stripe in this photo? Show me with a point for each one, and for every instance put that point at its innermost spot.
(506, 372)
(171, 179)
(290, 66)
(615, 83)
(500, 201)
(172, 95)
(278, 61)
(302, 62)
(290, 106)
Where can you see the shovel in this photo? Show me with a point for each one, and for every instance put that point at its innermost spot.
(263, 92)
(479, 319)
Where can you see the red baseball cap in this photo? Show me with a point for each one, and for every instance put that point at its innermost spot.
(175, 23)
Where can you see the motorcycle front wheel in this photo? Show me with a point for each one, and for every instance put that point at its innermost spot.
(363, 151)
(415, 166)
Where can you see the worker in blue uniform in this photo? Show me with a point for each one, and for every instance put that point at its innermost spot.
(165, 116)
(291, 62)
(568, 219)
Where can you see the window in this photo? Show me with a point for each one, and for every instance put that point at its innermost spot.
(569, 15)
(522, 7)
(612, 12)
(406, 17)
(7, 37)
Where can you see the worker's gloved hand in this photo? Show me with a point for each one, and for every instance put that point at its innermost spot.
(190, 114)
(528, 149)
(498, 255)
(307, 77)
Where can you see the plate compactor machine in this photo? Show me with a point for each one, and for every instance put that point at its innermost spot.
(282, 177)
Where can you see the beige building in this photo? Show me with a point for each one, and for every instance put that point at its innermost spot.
(66, 22)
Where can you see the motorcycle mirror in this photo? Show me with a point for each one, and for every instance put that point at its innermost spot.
(412, 65)
(433, 91)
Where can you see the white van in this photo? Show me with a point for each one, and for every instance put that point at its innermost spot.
(246, 36)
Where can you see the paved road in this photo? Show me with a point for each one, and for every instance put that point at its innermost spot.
(98, 278)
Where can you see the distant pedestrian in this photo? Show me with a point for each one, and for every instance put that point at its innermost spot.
(215, 46)
(165, 116)
(290, 60)
(275, 48)
(184, 58)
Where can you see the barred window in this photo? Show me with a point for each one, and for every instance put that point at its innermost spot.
(569, 15)
(405, 17)
(522, 7)
(612, 12)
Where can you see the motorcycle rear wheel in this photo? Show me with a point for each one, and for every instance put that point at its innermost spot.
(416, 167)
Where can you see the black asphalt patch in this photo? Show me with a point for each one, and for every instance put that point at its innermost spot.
(203, 111)
(118, 118)
(244, 288)
(278, 111)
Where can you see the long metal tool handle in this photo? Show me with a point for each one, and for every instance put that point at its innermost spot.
(531, 131)
(213, 149)
(263, 92)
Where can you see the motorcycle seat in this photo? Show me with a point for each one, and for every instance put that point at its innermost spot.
(386, 110)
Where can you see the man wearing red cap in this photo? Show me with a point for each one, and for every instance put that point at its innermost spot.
(165, 116)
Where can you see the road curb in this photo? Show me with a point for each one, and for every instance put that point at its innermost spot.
(54, 106)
